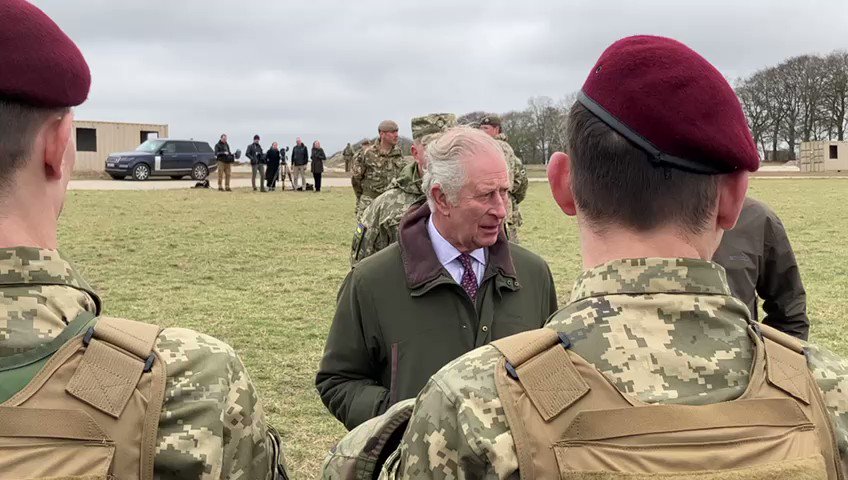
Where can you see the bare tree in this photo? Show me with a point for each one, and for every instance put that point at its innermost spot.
(836, 94)
(753, 94)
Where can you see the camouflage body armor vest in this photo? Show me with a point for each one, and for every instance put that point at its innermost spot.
(569, 421)
(84, 406)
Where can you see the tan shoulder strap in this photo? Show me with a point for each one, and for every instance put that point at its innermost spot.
(540, 361)
(118, 351)
(786, 364)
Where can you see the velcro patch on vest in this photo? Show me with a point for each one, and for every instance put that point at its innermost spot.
(787, 370)
(105, 378)
(552, 382)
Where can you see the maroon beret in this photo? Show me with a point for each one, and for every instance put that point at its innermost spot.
(41, 66)
(668, 100)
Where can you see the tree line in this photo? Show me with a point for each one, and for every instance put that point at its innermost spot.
(801, 99)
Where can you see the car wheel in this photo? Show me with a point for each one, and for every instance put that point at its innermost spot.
(177, 177)
(117, 177)
(141, 172)
(200, 172)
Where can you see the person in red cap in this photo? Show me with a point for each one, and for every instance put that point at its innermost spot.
(653, 367)
(84, 395)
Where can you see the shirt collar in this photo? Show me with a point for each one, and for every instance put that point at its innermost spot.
(445, 251)
(640, 276)
(38, 266)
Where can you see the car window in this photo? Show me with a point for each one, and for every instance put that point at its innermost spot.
(186, 147)
(203, 147)
(170, 147)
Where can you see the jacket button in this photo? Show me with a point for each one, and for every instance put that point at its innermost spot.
(485, 328)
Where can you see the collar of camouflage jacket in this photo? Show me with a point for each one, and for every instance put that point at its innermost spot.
(409, 179)
(22, 266)
(640, 276)
(421, 264)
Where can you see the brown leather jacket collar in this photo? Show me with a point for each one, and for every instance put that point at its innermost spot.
(419, 259)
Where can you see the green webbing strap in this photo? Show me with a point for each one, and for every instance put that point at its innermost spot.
(18, 370)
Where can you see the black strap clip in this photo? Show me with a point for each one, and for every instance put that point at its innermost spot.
(89, 334)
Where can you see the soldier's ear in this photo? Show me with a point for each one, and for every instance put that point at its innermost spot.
(732, 189)
(559, 178)
(59, 150)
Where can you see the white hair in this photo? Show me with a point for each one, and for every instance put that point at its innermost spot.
(446, 157)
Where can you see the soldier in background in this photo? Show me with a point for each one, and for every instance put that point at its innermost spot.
(650, 321)
(759, 261)
(376, 167)
(347, 153)
(176, 403)
(379, 225)
(491, 124)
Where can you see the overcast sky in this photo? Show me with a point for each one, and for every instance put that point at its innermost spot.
(332, 70)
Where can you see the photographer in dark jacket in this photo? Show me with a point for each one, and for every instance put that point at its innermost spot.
(299, 158)
(318, 157)
(257, 163)
(225, 162)
(272, 160)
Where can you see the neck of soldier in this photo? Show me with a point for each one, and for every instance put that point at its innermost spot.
(600, 246)
(27, 224)
(385, 147)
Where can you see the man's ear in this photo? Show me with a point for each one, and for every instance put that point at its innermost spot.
(57, 136)
(732, 189)
(443, 206)
(559, 178)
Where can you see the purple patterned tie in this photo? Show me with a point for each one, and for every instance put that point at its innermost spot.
(469, 279)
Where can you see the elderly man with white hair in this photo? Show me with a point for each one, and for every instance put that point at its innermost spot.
(450, 284)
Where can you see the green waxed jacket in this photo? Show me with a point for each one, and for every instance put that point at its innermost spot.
(401, 317)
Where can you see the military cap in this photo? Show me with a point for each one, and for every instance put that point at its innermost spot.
(672, 103)
(42, 67)
(425, 126)
(490, 119)
(388, 126)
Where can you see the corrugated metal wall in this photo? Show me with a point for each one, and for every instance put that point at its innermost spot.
(112, 137)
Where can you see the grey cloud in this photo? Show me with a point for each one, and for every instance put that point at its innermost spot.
(332, 70)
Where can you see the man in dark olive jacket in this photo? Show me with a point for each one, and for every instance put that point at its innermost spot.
(759, 261)
(451, 284)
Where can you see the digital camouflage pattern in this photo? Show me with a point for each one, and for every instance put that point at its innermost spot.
(378, 227)
(518, 191)
(212, 425)
(373, 171)
(663, 330)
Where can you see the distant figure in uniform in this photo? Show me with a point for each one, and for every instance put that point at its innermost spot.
(491, 124)
(759, 261)
(379, 225)
(653, 369)
(376, 167)
(452, 283)
(225, 163)
(90, 396)
(347, 153)
(257, 163)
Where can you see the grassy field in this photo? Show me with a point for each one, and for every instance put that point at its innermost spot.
(261, 272)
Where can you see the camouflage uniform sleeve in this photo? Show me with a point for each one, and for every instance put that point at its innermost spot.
(458, 429)
(212, 424)
(519, 180)
(831, 374)
(358, 170)
(371, 235)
